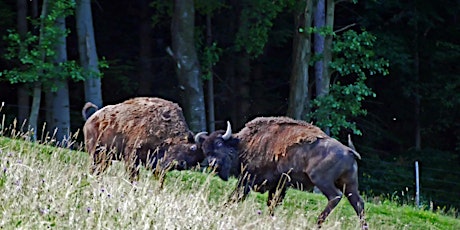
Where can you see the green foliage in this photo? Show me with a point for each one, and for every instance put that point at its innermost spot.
(353, 60)
(210, 57)
(256, 22)
(7, 16)
(208, 7)
(342, 103)
(439, 91)
(355, 55)
(208, 54)
(36, 55)
(163, 10)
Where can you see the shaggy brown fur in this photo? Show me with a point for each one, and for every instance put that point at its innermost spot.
(276, 153)
(283, 129)
(136, 128)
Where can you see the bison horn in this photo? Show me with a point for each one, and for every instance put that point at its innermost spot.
(198, 135)
(228, 133)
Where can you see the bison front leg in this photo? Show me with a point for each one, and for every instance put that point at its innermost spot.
(132, 166)
(275, 197)
(242, 189)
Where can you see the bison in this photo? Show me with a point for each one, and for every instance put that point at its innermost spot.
(143, 130)
(274, 153)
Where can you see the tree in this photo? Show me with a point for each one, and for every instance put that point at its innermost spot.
(145, 49)
(209, 55)
(23, 91)
(419, 38)
(38, 61)
(37, 85)
(354, 60)
(87, 51)
(351, 55)
(323, 44)
(58, 111)
(249, 27)
(187, 64)
(298, 94)
(319, 43)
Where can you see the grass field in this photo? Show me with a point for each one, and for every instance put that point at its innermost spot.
(43, 187)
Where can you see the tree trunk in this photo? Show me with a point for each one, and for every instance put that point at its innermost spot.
(187, 66)
(59, 125)
(210, 83)
(298, 95)
(37, 90)
(319, 23)
(23, 106)
(23, 91)
(145, 50)
(322, 84)
(417, 105)
(242, 79)
(87, 51)
(34, 111)
(59, 119)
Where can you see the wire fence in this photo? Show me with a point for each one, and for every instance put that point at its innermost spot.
(439, 187)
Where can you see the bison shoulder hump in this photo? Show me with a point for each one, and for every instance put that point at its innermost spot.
(274, 136)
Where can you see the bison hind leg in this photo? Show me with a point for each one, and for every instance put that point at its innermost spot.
(101, 161)
(333, 196)
(351, 191)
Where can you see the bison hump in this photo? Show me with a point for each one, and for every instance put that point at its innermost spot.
(274, 136)
(158, 120)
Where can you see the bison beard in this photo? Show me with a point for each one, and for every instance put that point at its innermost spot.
(274, 153)
(148, 131)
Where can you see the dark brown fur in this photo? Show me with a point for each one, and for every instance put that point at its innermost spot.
(274, 153)
(258, 135)
(140, 131)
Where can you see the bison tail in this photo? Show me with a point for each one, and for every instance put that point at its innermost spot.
(350, 143)
(85, 109)
(352, 147)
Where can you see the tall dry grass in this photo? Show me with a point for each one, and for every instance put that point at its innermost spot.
(45, 187)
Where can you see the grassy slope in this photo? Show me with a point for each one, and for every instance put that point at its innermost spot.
(42, 187)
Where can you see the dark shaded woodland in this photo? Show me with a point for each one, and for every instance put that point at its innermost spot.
(415, 114)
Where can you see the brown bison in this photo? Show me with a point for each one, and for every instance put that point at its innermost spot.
(274, 153)
(147, 131)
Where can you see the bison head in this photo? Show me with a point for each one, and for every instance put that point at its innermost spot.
(221, 151)
(183, 156)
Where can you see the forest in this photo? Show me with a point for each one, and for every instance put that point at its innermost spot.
(386, 72)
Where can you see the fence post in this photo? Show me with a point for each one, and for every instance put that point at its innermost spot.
(417, 186)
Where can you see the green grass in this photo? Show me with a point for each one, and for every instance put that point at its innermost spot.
(44, 187)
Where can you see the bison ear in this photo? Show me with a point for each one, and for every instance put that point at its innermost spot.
(189, 138)
(233, 142)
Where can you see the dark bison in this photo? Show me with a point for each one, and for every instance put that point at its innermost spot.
(274, 153)
(148, 131)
